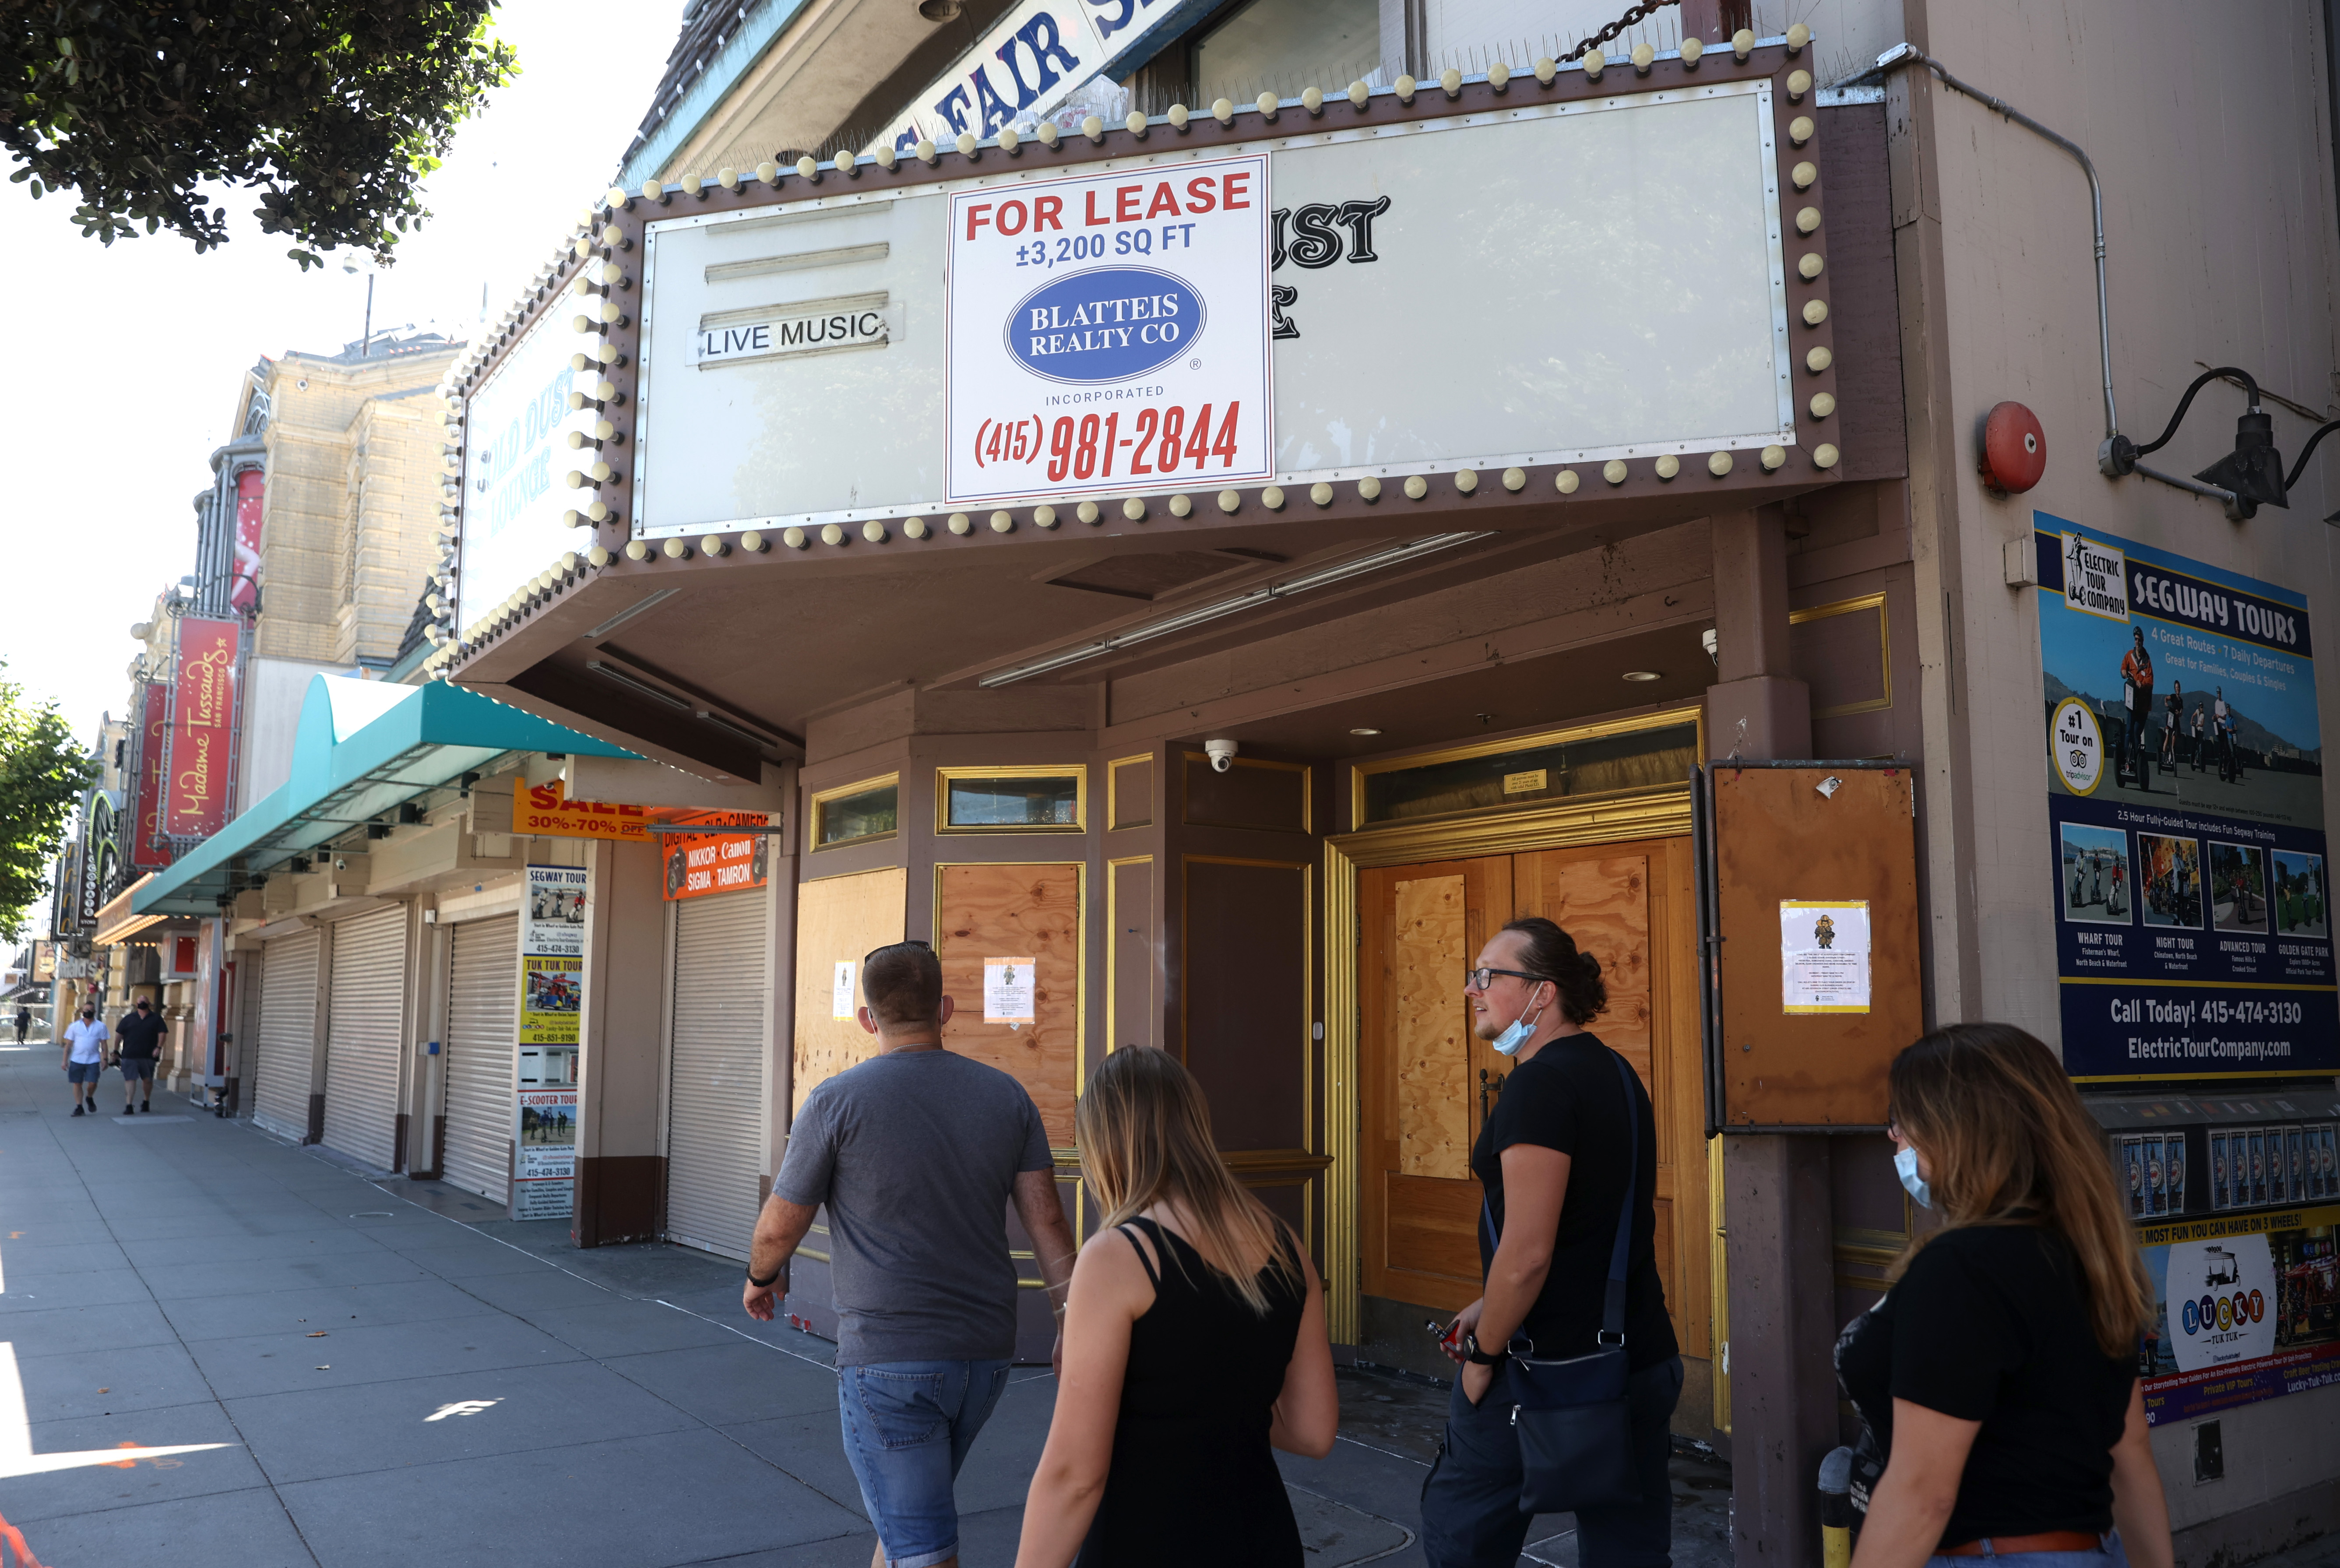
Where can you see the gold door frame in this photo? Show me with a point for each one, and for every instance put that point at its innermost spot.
(1599, 820)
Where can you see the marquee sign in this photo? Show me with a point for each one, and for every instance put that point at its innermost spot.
(1025, 334)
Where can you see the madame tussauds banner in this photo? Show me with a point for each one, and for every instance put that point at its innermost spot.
(2186, 807)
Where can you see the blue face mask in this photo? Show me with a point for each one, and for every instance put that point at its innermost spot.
(1905, 1166)
(1513, 1039)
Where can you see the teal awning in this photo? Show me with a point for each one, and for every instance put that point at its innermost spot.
(363, 749)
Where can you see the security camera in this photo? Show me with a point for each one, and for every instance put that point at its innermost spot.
(1222, 754)
(1708, 641)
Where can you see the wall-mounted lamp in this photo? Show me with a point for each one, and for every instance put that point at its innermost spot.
(2245, 478)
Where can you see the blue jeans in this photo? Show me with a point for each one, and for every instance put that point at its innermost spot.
(1471, 1514)
(2109, 1555)
(907, 1427)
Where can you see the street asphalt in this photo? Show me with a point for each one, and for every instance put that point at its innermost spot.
(381, 1371)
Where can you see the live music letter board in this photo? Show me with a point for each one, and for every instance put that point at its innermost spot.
(1108, 334)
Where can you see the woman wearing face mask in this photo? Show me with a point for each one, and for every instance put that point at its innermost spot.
(1997, 1380)
(1554, 1160)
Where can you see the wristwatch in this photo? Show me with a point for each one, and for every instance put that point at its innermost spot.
(767, 1283)
(1477, 1356)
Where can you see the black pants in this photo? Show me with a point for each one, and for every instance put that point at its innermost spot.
(1471, 1514)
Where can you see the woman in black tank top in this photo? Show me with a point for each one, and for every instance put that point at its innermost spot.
(1194, 1344)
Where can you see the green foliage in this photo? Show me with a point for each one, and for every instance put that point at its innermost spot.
(43, 773)
(334, 110)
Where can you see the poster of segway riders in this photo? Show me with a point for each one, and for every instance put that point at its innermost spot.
(2245, 1309)
(2186, 799)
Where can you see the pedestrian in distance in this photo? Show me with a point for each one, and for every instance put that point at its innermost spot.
(23, 1023)
(1995, 1380)
(916, 1154)
(141, 1032)
(84, 1057)
(1567, 1160)
(1195, 1344)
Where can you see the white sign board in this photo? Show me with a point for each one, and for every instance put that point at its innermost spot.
(1823, 956)
(516, 460)
(2233, 1318)
(1032, 59)
(1109, 331)
(1627, 298)
(1008, 992)
(840, 991)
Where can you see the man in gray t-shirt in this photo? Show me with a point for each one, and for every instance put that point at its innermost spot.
(916, 1154)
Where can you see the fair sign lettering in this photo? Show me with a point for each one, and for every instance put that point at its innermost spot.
(1109, 333)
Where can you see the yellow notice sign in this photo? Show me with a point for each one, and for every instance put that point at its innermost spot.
(1523, 783)
(1823, 956)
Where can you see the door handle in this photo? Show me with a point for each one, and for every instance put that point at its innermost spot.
(1489, 1083)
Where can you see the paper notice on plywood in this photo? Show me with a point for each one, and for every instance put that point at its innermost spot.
(1008, 991)
(840, 991)
(1823, 956)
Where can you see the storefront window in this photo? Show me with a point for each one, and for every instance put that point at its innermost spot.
(1538, 769)
(856, 812)
(973, 800)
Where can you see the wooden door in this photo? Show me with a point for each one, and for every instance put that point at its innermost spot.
(1428, 1081)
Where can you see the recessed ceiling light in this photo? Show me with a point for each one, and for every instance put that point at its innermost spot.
(1645, 675)
(1364, 730)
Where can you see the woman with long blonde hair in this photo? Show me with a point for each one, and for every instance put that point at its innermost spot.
(1193, 1344)
(1997, 1380)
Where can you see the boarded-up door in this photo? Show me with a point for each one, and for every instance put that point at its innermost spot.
(288, 1035)
(838, 919)
(1429, 1083)
(716, 1093)
(1028, 913)
(363, 1031)
(482, 1055)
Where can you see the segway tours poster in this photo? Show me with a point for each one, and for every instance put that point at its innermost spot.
(2186, 805)
(552, 992)
(2244, 1309)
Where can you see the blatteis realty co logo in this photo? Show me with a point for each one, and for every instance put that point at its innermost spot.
(1108, 324)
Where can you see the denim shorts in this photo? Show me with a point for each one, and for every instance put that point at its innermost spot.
(907, 1427)
(138, 1066)
(83, 1072)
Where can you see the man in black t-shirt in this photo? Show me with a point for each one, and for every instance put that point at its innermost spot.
(141, 1032)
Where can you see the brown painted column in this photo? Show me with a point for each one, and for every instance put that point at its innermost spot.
(1778, 1247)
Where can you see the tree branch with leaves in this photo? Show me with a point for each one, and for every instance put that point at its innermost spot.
(334, 110)
(43, 773)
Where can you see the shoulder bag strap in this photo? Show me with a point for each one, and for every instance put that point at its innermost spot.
(1613, 1307)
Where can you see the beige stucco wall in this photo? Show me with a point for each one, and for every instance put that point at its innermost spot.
(2220, 228)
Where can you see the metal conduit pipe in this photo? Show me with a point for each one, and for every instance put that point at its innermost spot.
(1908, 53)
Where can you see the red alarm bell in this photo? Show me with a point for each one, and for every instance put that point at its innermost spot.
(2014, 449)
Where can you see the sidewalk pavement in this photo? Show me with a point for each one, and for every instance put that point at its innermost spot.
(387, 1372)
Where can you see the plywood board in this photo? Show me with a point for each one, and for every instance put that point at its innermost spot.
(1428, 1041)
(1025, 911)
(1431, 1251)
(838, 919)
(1777, 836)
(1604, 904)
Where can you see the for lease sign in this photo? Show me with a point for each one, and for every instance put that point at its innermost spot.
(1108, 334)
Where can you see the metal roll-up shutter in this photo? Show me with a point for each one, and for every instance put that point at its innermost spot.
(288, 1035)
(482, 1055)
(715, 1102)
(364, 1029)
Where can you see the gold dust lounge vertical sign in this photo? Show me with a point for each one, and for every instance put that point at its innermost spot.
(147, 850)
(202, 731)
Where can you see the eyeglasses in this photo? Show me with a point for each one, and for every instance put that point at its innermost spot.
(909, 942)
(1481, 979)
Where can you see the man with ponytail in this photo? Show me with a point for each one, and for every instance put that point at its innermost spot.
(1567, 1147)
(1997, 1380)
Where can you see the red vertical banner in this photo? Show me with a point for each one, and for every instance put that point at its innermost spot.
(202, 727)
(251, 486)
(147, 852)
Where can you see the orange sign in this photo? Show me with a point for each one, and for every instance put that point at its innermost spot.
(546, 808)
(697, 864)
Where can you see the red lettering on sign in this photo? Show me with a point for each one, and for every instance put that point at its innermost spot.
(1125, 203)
(975, 217)
(1165, 201)
(1236, 186)
(1200, 197)
(1044, 210)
